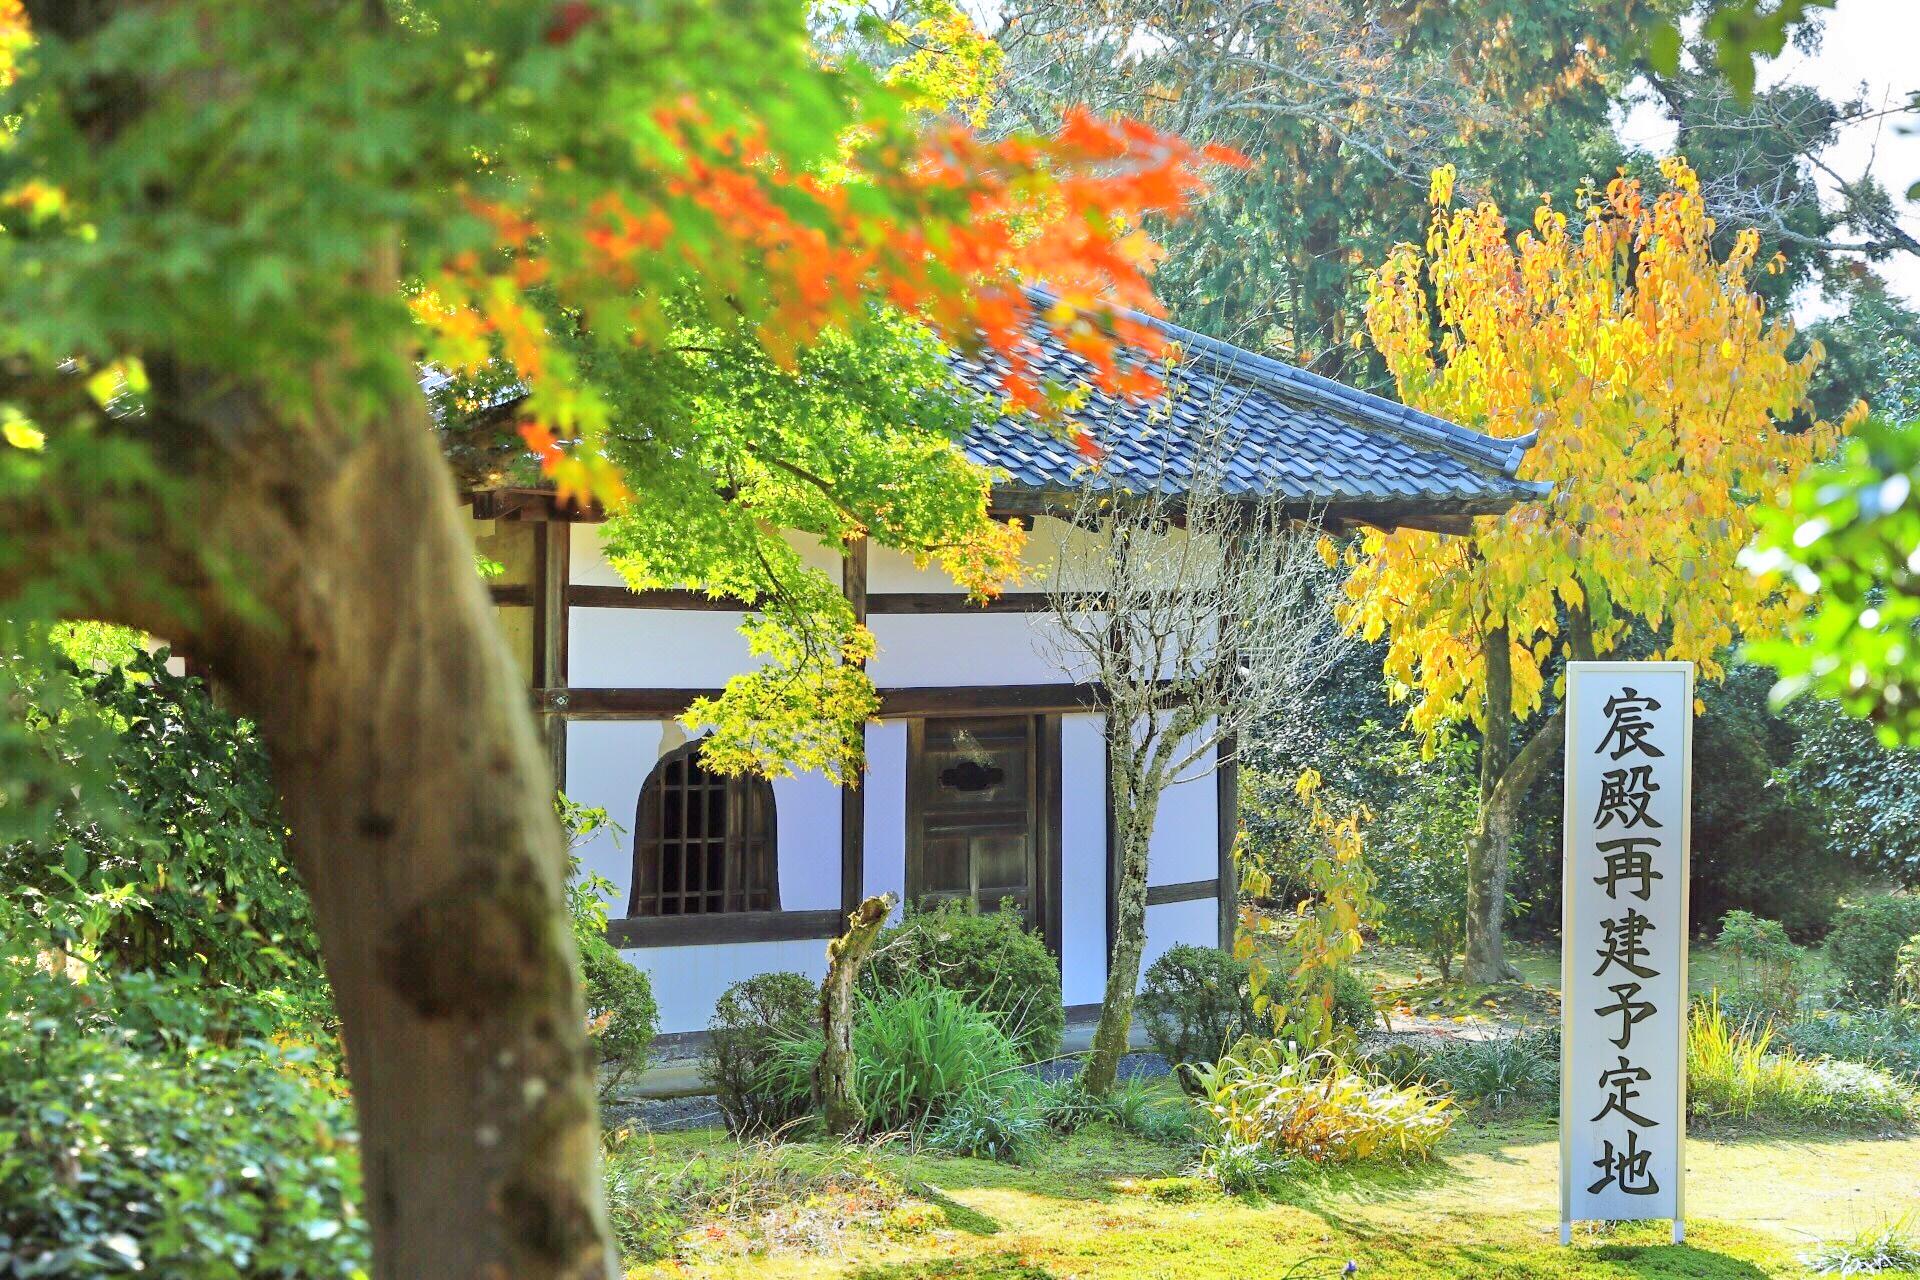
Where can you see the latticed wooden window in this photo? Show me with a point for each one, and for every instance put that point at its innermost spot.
(703, 842)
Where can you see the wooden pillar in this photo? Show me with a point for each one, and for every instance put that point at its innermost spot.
(1226, 779)
(552, 566)
(853, 796)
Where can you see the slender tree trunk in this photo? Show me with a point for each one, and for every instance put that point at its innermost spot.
(421, 815)
(1506, 776)
(1134, 810)
(1490, 847)
(839, 1101)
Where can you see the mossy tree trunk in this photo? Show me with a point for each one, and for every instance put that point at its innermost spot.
(347, 619)
(839, 1098)
(1134, 810)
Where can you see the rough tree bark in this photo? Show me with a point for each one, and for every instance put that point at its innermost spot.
(1506, 776)
(839, 1100)
(353, 628)
(1134, 809)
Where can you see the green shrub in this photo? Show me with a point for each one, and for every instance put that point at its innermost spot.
(621, 1013)
(1195, 1003)
(1353, 1006)
(1497, 1074)
(1766, 964)
(917, 1051)
(1906, 974)
(1734, 1073)
(119, 1153)
(988, 957)
(1866, 940)
(1419, 843)
(622, 1017)
(751, 1020)
(177, 865)
(1265, 1104)
(1882, 1038)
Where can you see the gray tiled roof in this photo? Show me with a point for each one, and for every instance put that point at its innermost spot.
(1289, 434)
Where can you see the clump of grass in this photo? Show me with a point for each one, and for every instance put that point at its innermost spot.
(1498, 1074)
(1891, 1246)
(764, 1195)
(1734, 1072)
(993, 1126)
(1139, 1107)
(1267, 1105)
(917, 1050)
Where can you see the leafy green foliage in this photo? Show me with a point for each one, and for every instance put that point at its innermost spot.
(1866, 795)
(1266, 1105)
(1847, 538)
(918, 1049)
(1734, 1072)
(1765, 963)
(1884, 1038)
(176, 864)
(1419, 844)
(1194, 1003)
(622, 1016)
(124, 1152)
(1906, 974)
(1865, 943)
(990, 958)
(1353, 1006)
(751, 1020)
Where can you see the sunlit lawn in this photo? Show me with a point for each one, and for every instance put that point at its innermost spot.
(1097, 1205)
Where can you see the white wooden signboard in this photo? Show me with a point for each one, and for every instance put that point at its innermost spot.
(1623, 1087)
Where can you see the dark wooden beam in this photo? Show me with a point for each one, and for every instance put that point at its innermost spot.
(1159, 895)
(552, 565)
(932, 700)
(1226, 780)
(509, 594)
(736, 926)
(590, 596)
(853, 795)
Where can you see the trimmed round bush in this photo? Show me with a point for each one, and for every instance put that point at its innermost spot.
(1353, 1005)
(989, 958)
(1865, 943)
(751, 1020)
(620, 1010)
(1195, 1003)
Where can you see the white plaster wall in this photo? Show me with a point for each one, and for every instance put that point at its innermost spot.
(806, 812)
(885, 866)
(590, 567)
(1083, 858)
(607, 763)
(1195, 923)
(654, 649)
(1186, 831)
(968, 649)
(687, 980)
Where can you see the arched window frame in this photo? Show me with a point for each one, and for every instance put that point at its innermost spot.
(748, 862)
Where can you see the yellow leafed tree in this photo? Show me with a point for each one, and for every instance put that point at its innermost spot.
(1663, 395)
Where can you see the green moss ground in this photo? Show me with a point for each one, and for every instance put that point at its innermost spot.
(1100, 1205)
